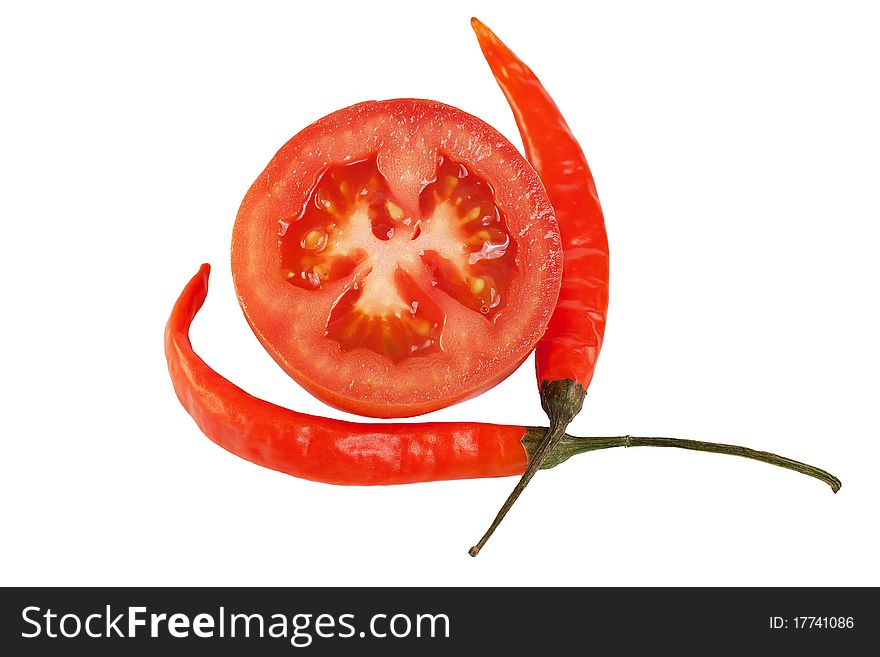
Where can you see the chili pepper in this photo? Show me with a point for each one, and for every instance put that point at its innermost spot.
(338, 452)
(321, 449)
(566, 356)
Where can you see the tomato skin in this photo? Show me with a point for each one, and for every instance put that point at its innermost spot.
(291, 322)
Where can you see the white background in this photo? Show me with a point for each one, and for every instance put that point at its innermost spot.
(736, 155)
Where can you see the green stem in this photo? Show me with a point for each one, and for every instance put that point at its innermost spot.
(549, 441)
(569, 446)
(561, 400)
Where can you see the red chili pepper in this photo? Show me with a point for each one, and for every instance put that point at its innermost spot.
(321, 449)
(566, 356)
(351, 453)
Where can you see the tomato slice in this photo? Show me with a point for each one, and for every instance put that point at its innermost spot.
(396, 257)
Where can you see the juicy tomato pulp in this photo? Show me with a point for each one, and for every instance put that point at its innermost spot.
(396, 257)
(352, 227)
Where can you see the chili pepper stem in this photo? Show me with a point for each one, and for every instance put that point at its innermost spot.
(562, 401)
(552, 437)
(569, 446)
(565, 446)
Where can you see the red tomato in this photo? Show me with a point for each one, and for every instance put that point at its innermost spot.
(396, 257)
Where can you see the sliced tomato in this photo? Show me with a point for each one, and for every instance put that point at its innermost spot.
(396, 257)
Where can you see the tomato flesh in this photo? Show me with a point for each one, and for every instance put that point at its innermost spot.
(353, 225)
(397, 257)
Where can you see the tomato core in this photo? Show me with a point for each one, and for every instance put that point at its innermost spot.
(352, 224)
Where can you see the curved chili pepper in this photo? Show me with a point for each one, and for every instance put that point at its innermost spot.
(566, 356)
(321, 449)
(338, 452)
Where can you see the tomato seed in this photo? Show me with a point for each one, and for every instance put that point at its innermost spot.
(315, 240)
(477, 285)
